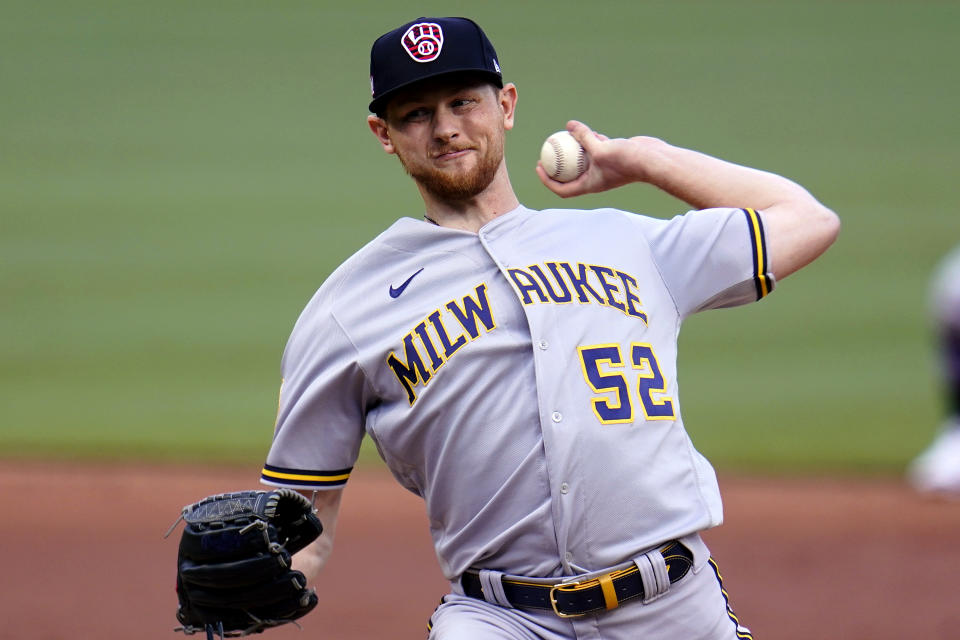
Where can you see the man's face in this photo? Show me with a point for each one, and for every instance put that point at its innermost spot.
(449, 137)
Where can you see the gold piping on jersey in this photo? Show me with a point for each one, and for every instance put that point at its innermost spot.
(743, 633)
(758, 242)
(305, 478)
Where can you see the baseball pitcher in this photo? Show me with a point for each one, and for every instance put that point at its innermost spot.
(517, 369)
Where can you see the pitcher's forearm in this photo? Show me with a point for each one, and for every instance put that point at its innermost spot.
(703, 181)
(311, 560)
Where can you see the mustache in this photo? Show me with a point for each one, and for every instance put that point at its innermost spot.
(439, 151)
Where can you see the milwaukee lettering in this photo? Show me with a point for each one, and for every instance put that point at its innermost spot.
(563, 283)
(440, 335)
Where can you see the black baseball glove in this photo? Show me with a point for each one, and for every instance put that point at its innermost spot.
(233, 567)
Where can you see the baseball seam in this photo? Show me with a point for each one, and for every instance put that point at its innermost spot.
(558, 160)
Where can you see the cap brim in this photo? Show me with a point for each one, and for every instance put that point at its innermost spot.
(377, 104)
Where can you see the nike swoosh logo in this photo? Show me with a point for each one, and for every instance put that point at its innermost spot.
(396, 291)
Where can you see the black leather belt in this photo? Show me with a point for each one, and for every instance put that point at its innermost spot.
(573, 599)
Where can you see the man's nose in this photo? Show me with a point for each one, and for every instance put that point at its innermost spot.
(445, 125)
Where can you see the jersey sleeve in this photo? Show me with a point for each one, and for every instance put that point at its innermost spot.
(321, 414)
(713, 258)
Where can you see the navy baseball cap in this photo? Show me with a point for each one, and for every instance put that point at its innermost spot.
(426, 48)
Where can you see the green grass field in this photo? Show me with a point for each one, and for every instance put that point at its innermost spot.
(176, 179)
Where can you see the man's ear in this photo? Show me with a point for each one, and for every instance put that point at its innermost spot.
(379, 128)
(508, 102)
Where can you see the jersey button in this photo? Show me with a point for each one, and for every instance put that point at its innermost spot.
(557, 416)
(569, 557)
(564, 488)
(543, 344)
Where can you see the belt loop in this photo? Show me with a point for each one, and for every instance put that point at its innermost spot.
(653, 572)
(609, 592)
(492, 586)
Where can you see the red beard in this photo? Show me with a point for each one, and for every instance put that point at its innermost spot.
(457, 186)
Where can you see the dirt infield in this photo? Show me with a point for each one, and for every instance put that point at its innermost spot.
(811, 558)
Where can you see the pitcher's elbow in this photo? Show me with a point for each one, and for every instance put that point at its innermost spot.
(834, 224)
(827, 223)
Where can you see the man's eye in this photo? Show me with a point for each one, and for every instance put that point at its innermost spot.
(461, 102)
(415, 115)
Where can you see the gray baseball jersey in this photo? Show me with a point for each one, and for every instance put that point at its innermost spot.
(522, 380)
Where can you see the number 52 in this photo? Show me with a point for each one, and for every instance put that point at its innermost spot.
(650, 383)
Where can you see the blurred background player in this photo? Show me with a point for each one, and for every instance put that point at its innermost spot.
(937, 469)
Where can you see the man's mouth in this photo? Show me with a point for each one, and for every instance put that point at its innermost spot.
(451, 154)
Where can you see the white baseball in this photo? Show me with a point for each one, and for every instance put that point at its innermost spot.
(562, 157)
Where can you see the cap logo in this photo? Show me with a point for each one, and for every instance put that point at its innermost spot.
(423, 41)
